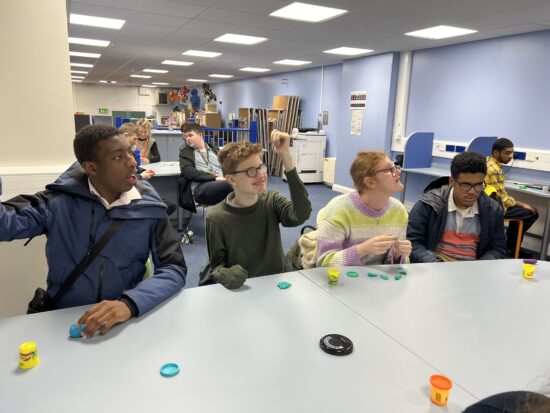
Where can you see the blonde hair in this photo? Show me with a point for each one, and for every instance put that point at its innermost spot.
(232, 154)
(128, 128)
(144, 123)
(364, 165)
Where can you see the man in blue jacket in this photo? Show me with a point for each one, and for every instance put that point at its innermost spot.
(458, 221)
(75, 211)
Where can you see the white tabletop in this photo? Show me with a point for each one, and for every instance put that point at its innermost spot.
(252, 350)
(164, 168)
(481, 323)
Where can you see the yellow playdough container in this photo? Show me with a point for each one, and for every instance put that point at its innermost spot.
(529, 268)
(333, 275)
(28, 356)
(440, 387)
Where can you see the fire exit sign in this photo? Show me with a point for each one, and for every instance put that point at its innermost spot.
(103, 110)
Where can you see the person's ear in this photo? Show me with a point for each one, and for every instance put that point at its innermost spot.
(452, 182)
(90, 167)
(369, 182)
(231, 180)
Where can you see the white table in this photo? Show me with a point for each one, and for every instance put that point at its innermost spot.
(165, 181)
(480, 323)
(252, 350)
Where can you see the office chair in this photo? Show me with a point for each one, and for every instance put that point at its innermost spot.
(187, 237)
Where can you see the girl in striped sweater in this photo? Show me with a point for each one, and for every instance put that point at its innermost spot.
(366, 226)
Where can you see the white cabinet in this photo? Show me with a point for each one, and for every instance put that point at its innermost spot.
(308, 153)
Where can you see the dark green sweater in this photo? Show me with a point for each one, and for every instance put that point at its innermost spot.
(251, 237)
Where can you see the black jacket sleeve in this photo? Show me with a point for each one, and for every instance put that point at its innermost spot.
(417, 233)
(154, 154)
(187, 167)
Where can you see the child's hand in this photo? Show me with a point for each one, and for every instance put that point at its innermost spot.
(280, 140)
(146, 175)
(402, 248)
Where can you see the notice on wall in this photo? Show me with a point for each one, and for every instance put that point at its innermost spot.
(358, 100)
(356, 121)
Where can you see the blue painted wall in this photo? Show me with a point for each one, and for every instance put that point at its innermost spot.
(332, 81)
(377, 75)
(497, 87)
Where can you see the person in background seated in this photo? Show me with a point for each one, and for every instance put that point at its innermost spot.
(146, 144)
(201, 178)
(366, 226)
(75, 211)
(502, 153)
(242, 232)
(458, 221)
(130, 132)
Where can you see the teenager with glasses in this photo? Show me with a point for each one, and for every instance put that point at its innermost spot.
(366, 226)
(242, 232)
(458, 221)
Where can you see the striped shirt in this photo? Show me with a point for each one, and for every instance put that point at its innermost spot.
(207, 162)
(495, 177)
(461, 235)
(346, 222)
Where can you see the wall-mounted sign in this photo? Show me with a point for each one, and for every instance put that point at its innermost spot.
(103, 110)
(358, 100)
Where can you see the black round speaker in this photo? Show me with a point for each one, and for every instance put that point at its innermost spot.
(336, 344)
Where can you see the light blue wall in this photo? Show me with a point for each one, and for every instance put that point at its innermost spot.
(259, 92)
(332, 80)
(496, 87)
(377, 75)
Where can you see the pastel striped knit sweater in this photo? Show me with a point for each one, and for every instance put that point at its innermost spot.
(346, 222)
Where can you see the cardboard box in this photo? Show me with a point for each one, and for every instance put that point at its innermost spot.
(211, 107)
(212, 120)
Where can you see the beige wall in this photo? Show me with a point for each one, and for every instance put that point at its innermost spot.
(36, 110)
(36, 115)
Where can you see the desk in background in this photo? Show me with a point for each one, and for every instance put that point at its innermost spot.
(251, 350)
(479, 322)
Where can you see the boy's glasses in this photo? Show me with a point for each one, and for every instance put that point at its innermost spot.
(395, 169)
(466, 187)
(252, 172)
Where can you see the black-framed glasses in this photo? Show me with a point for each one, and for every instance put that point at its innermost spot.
(395, 169)
(252, 172)
(466, 187)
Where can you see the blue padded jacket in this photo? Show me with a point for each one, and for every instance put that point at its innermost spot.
(73, 219)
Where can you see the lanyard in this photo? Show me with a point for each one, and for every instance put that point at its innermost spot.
(206, 160)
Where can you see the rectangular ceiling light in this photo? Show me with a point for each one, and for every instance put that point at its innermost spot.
(220, 76)
(155, 71)
(201, 53)
(77, 77)
(113, 81)
(197, 80)
(240, 39)
(103, 81)
(255, 69)
(347, 51)
(141, 76)
(290, 62)
(82, 54)
(79, 71)
(76, 81)
(93, 21)
(148, 85)
(89, 42)
(176, 63)
(81, 65)
(440, 32)
(161, 83)
(307, 12)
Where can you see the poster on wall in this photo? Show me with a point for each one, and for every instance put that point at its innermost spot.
(358, 100)
(356, 121)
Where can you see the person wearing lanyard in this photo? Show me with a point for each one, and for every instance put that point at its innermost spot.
(201, 179)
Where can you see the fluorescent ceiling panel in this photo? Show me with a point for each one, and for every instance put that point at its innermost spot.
(89, 42)
(141, 76)
(155, 71)
(255, 69)
(290, 62)
(440, 32)
(197, 80)
(176, 63)
(161, 83)
(240, 39)
(220, 76)
(307, 12)
(79, 71)
(94, 21)
(201, 53)
(78, 77)
(81, 65)
(83, 54)
(348, 51)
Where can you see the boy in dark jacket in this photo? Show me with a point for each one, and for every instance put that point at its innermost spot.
(458, 221)
(76, 210)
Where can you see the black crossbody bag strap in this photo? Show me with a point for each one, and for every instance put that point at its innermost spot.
(90, 256)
